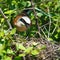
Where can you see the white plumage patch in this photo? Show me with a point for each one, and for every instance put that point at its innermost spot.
(19, 23)
(26, 19)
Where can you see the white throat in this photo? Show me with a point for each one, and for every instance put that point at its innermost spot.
(19, 23)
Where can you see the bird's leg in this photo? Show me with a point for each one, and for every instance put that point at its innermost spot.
(28, 34)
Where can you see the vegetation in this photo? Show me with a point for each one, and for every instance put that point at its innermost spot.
(44, 32)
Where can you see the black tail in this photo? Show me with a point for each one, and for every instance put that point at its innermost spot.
(27, 11)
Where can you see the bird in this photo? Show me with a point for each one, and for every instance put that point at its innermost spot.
(22, 22)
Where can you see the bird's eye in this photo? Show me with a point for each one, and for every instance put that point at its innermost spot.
(21, 19)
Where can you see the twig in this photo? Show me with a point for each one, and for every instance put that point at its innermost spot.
(44, 33)
(2, 2)
(24, 58)
(45, 24)
(49, 22)
(37, 10)
(28, 8)
(45, 28)
(55, 27)
(10, 27)
(29, 57)
(54, 30)
(33, 6)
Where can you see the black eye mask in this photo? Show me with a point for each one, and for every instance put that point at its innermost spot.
(22, 20)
